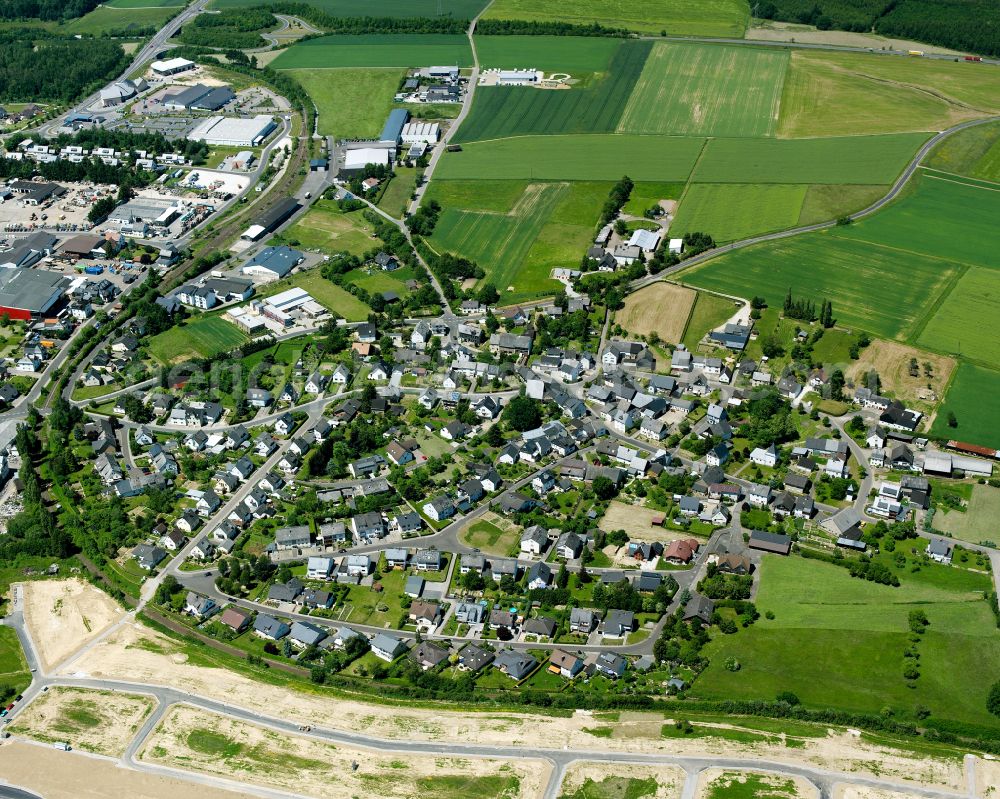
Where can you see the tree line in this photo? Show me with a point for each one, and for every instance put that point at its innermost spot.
(958, 24)
(806, 310)
(48, 10)
(520, 27)
(55, 70)
(367, 24)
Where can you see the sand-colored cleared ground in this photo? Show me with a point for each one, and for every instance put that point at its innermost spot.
(892, 362)
(96, 721)
(68, 775)
(713, 782)
(662, 308)
(637, 521)
(669, 779)
(987, 779)
(137, 654)
(842, 791)
(790, 32)
(191, 738)
(63, 615)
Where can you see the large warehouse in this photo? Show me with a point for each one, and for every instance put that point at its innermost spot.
(228, 132)
(357, 160)
(172, 66)
(30, 293)
(271, 219)
(421, 132)
(393, 130)
(199, 98)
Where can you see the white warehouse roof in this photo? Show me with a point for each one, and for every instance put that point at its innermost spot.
(172, 65)
(644, 239)
(359, 159)
(225, 131)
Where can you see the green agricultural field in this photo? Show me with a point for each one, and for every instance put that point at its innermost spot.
(971, 307)
(328, 229)
(847, 159)
(730, 211)
(105, 19)
(978, 522)
(500, 111)
(710, 311)
(974, 152)
(645, 195)
(679, 17)
(397, 50)
(144, 3)
(848, 93)
(878, 289)
(202, 337)
(596, 157)
(837, 641)
(707, 90)
(946, 216)
(477, 195)
(832, 201)
(352, 103)
(572, 54)
(459, 9)
(974, 398)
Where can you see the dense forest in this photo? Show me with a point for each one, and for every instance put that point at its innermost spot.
(233, 28)
(55, 70)
(361, 24)
(972, 25)
(46, 9)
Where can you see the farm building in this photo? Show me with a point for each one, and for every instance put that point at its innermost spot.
(226, 132)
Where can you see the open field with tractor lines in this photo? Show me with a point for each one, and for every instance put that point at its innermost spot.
(595, 157)
(680, 17)
(392, 50)
(707, 90)
(352, 103)
(970, 308)
(572, 54)
(730, 211)
(974, 398)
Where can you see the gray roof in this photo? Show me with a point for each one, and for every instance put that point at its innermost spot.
(280, 260)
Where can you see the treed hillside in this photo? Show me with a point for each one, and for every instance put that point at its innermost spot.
(46, 9)
(972, 25)
(55, 70)
(236, 28)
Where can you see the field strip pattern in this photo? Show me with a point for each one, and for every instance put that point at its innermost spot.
(707, 90)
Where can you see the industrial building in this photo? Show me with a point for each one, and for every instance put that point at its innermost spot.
(393, 130)
(421, 132)
(28, 251)
(273, 263)
(32, 192)
(518, 77)
(199, 98)
(172, 66)
(30, 293)
(357, 160)
(229, 132)
(271, 220)
(122, 90)
(442, 73)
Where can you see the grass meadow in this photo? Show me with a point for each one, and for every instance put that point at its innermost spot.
(202, 337)
(498, 196)
(595, 157)
(974, 152)
(730, 211)
(332, 297)
(878, 289)
(978, 521)
(459, 9)
(974, 398)
(970, 308)
(837, 641)
(325, 227)
(394, 50)
(352, 103)
(710, 311)
(824, 202)
(646, 195)
(681, 17)
(104, 19)
(857, 160)
(707, 90)
(572, 54)
(501, 111)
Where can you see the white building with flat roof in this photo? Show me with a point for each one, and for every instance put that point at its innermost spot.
(230, 132)
(518, 77)
(363, 156)
(421, 132)
(171, 66)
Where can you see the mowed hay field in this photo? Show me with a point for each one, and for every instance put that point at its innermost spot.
(732, 211)
(829, 94)
(663, 308)
(594, 157)
(352, 103)
(707, 90)
(325, 227)
(974, 152)
(501, 111)
(974, 398)
(978, 522)
(837, 641)
(202, 337)
(882, 290)
(398, 50)
(680, 17)
(844, 159)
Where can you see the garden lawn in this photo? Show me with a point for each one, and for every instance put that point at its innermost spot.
(329, 295)
(325, 227)
(570, 54)
(710, 311)
(707, 90)
(352, 103)
(730, 212)
(878, 289)
(680, 17)
(459, 9)
(593, 157)
(490, 538)
(974, 152)
(500, 111)
(974, 398)
(837, 642)
(948, 217)
(970, 308)
(202, 337)
(379, 281)
(978, 522)
(374, 50)
(845, 159)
